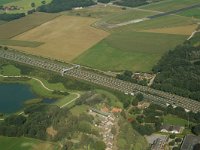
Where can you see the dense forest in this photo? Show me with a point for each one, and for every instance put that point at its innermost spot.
(62, 5)
(40, 118)
(178, 71)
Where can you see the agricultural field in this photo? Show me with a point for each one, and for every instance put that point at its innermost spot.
(20, 43)
(64, 38)
(24, 5)
(21, 143)
(16, 27)
(127, 51)
(181, 30)
(169, 5)
(195, 13)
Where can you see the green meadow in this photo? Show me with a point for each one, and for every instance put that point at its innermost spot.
(136, 51)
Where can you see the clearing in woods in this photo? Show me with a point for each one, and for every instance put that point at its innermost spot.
(64, 38)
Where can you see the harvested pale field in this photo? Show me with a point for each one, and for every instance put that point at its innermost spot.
(181, 30)
(19, 26)
(65, 37)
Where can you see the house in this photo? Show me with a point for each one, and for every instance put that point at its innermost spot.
(171, 129)
(143, 105)
(116, 110)
(189, 142)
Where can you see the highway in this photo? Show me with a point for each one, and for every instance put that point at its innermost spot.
(156, 96)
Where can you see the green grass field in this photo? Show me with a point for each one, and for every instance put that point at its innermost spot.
(9, 42)
(168, 5)
(136, 51)
(19, 26)
(162, 22)
(195, 12)
(127, 15)
(97, 11)
(174, 120)
(25, 5)
(10, 70)
(3, 2)
(22, 143)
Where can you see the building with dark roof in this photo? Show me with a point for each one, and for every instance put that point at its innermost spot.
(189, 142)
(171, 129)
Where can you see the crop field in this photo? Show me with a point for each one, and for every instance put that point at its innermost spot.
(21, 143)
(25, 5)
(168, 5)
(195, 12)
(181, 30)
(19, 43)
(136, 51)
(13, 28)
(65, 37)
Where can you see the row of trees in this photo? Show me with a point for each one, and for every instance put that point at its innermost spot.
(62, 5)
(9, 17)
(131, 3)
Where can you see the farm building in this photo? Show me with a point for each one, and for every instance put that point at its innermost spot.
(171, 129)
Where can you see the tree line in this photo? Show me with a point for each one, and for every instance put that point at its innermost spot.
(63, 5)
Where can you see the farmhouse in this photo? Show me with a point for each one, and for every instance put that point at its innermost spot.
(171, 129)
(189, 142)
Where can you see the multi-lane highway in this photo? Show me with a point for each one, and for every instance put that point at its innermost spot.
(153, 95)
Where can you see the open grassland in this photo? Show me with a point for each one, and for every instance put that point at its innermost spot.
(2, 2)
(13, 28)
(182, 30)
(195, 12)
(174, 120)
(25, 5)
(96, 11)
(21, 143)
(20, 43)
(136, 51)
(168, 5)
(127, 15)
(162, 22)
(65, 37)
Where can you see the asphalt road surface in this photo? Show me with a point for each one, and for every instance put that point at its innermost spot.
(156, 96)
